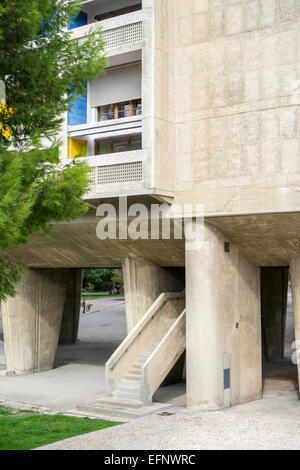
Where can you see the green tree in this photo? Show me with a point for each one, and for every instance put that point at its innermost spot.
(99, 278)
(44, 71)
(117, 279)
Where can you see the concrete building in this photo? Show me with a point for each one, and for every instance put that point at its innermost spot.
(200, 105)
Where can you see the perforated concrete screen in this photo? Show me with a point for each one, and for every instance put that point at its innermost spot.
(120, 173)
(128, 34)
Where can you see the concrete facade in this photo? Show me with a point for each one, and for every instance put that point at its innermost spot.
(220, 127)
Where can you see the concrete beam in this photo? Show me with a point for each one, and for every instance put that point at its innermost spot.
(71, 315)
(223, 334)
(32, 321)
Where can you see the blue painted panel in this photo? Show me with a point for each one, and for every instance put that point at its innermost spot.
(80, 20)
(226, 379)
(78, 114)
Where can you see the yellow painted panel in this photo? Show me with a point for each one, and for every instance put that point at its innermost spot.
(77, 148)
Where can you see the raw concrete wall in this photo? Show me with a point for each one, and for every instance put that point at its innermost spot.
(226, 78)
(223, 325)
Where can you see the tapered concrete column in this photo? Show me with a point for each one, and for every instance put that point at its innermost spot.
(295, 279)
(143, 283)
(223, 334)
(71, 315)
(32, 321)
(274, 287)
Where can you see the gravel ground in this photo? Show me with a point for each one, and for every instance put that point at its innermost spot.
(190, 431)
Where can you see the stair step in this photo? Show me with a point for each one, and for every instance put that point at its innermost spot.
(136, 366)
(124, 387)
(134, 371)
(122, 412)
(115, 402)
(126, 395)
(132, 377)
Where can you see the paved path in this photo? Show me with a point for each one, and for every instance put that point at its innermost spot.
(79, 373)
(102, 304)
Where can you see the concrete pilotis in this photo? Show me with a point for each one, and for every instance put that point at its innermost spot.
(143, 283)
(223, 334)
(32, 321)
(71, 315)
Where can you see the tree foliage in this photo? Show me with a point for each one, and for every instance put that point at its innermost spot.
(44, 70)
(102, 280)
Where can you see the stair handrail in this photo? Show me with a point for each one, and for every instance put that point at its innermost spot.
(129, 341)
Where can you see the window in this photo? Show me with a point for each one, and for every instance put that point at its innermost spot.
(118, 144)
(120, 110)
(106, 113)
(121, 11)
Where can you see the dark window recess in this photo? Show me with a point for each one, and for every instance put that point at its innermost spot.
(125, 143)
(121, 11)
(226, 379)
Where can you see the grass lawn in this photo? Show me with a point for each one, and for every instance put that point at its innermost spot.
(94, 296)
(24, 429)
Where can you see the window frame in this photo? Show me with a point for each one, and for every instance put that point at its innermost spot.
(133, 106)
(111, 141)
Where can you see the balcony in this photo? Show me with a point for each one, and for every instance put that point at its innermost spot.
(119, 33)
(118, 173)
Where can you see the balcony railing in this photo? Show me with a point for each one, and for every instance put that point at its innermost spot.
(118, 172)
(120, 31)
(107, 128)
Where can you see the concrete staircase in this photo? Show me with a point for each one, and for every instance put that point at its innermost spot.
(140, 364)
(130, 386)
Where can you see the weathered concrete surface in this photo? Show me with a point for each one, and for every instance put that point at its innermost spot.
(32, 321)
(71, 314)
(223, 325)
(274, 287)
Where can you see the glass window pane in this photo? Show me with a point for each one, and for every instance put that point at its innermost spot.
(136, 142)
(124, 110)
(137, 108)
(106, 113)
(103, 147)
(121, 144)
